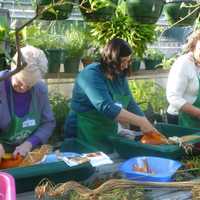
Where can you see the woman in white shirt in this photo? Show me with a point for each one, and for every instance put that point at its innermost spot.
(183, 86)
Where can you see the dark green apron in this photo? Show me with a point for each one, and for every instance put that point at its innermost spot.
(20, 128)
(95, 128)
(187, 120)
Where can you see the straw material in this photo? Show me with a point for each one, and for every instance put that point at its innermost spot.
(46, 189)
(35, 156)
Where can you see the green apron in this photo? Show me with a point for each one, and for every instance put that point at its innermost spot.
(95, 128)
(20, 128)
(187, 120)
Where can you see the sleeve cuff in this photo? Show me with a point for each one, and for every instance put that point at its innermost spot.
(34, 140)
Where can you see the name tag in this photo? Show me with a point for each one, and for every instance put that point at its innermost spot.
(28, 123)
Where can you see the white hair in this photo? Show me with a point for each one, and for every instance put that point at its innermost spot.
(37, 64)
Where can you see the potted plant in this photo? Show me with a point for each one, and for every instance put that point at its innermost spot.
(75, 41)
(38, 36)
(55, 9)
(122, 26)
(181, 13)
(97, 10)
(152, 58)
(145, 11)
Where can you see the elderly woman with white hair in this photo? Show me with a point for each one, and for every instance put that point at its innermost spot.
(26, 117)
(183, 86)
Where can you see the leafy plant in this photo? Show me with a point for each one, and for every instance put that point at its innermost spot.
(94, 5)
(149, 92)
(153, 54)
(167, 62)
(122, 26)
(40, 36)
(60, 109)
(75, 41)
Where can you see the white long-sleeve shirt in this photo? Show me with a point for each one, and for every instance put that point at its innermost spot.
(183, 83)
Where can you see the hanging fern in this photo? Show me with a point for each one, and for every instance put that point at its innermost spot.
(122, 26)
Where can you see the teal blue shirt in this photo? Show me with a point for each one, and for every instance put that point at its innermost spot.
(91, 92)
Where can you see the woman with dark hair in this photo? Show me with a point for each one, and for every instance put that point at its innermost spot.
(101, 98)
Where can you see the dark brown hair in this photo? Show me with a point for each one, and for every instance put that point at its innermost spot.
(112, 54)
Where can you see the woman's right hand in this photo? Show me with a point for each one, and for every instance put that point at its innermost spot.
(2, 151)
(146, 126)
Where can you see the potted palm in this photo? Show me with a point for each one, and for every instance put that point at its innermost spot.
(97, 10)
(181, 12)
(152, 58)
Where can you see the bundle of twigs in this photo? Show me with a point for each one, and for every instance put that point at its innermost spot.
(46, 189)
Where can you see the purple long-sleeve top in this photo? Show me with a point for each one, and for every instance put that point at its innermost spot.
(47, 121)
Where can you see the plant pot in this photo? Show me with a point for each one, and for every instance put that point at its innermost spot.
(151, 64)
(71, 64)
(175, 11)
(56, 12)
(54, 59)
(135, 65)
(102, 14)
(145, 11)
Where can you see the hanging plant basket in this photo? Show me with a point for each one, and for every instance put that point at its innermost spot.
(145, 11)
(177, 10)
(104, 13)
(58, 9)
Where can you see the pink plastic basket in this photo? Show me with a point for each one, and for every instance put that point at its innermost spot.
(7, 187)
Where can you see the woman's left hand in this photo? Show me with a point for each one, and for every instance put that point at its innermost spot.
(23, 148)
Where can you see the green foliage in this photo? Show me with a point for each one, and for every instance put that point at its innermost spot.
(197, 23)
(76, 40)
(122, 26)
(60, 108)
(96, 4)
(39, 36)
(167, 62)
(4, 31)
(153, 54)
(148, 92)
